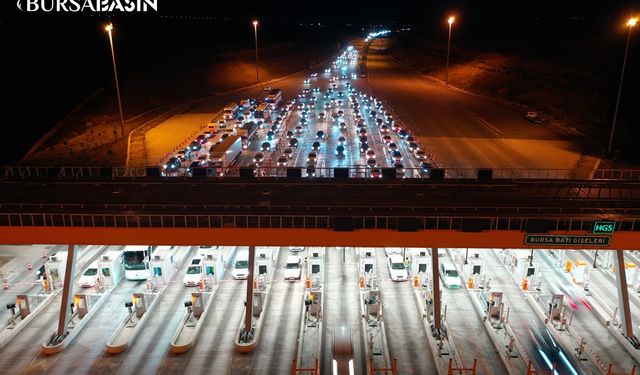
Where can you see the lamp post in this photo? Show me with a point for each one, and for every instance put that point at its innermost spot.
(446, 77)
(631, 23)
(255, 31)
(108, 28)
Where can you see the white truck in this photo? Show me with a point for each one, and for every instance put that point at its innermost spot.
(226, 152)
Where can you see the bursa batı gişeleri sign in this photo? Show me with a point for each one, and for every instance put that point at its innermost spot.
(77, 6)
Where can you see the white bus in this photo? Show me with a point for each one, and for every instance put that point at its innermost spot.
(274, 97)
(136, 261)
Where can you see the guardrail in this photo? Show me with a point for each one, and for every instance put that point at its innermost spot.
(300, 221)
(357, 171)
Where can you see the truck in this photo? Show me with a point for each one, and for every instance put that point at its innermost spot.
(226, 152)
(247, 130)
(274, 97)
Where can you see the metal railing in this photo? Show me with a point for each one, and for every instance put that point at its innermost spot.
(70, 173)
(301, 221)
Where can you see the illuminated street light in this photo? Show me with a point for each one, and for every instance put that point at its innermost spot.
(108, 28)
(631, 23)
(446, 77)
(255, 30)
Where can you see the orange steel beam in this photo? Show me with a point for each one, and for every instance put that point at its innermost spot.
(285, 237)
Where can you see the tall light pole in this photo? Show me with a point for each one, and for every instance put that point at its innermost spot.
(446, 76)
(631, 23)
(108, 28)
(255, 31)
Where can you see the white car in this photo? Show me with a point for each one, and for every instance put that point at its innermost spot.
(89, 276)
(241, 266)
(292, 268)
(193, 275)
(267, 88)
(392, 250)
(449, 275)
(296, 249)
(397, 269)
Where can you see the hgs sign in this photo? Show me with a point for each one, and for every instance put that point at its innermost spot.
(604, 227)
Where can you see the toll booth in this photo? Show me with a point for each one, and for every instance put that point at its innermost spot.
(315, 263)
(139, 304)
(419, 262)
(367, 266)
(472, 271)
(22, 301)
(197, 304)
(580, 271)
(555, 306)
(55, 268)
(372, 302)
(162, 264)
(213, 267)
(264, 264)
(524, 268)
(111, 266)
(82, 308)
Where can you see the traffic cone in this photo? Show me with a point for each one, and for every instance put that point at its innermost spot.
(416, 281)
(470, 283)
(361, 282)
(255, 283)
(201, 284)
(525, 284)
(29, 266)
(568, 267)
(308, 282)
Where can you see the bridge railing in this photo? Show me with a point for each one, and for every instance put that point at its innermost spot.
(347, 172)
(390, 220)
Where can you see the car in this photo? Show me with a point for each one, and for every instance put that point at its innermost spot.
(425, 168)
(290, 133)
(241, 265)
(363, 139)
(314, 74)
(384, 129)
(89, 276)
(172, 165)
(371, 162)
(371, 154)
(343, 125)
(306, 81)
(288, 152)
(293, 268)
(397, 269)
(362, 132)
(312, 157)
(379, 122)
(373, 114)
(386, 138)
(303, 121)
(195, 146)
(392, 147)
(202, 139)
(340, 150)
(449, 275)
(320, 134)
(258, 158)
(224, 136)
(293, 142)
(311, 170)
(339, 103)
(342, 140)
(409, 139)
(270, 136)
(267, 88)
(299, 128)
(315, 146)
(283, 161)
(222, 124)
(396, 127)
(327, 106)
(364, 147)
(340, 94)
(399, 168)
(193, 275)
(396, 156)
(534, 117)
(375, 172)
(266, 146)
(420, 155)
(413, 146)
(340, 113)
(403, 133)
(321, 116)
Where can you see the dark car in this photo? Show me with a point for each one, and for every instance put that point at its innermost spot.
(195, 146)
(270, 135)
(293, 142)
(266, 146)
(320, 134)
(425, 168)
(202, 139)
(315, 146)
(340, 150)
(363, 139)
(403, 133)
(172, 165)
(311, 171)
(364, 147)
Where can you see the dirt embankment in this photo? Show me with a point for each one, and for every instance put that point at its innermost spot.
(572, 96)
(90, 135)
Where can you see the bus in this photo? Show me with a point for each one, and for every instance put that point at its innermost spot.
(274, 97)
(263, 112)
(136, 261)
(231, 111)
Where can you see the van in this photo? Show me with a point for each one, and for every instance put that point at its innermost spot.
(449, 275)
(89, 276)
(193, 275)
(292, 268)
(397, 269)
(241, 266)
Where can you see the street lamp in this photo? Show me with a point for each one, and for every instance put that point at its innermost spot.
(255, 31)
(108, 28)
(631, 23)
(446, 77)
